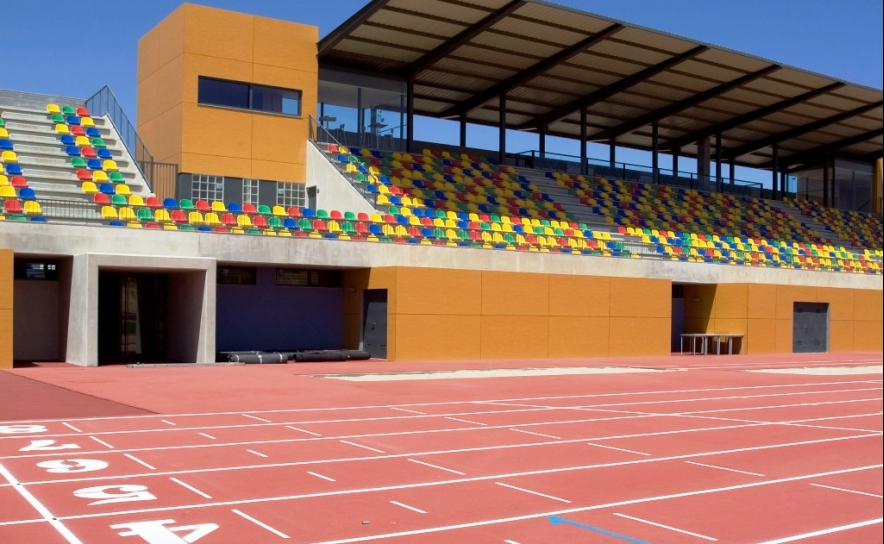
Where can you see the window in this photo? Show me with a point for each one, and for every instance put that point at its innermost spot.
(290, 194)
(248, 96)
(208, 188)
(36, 270)
(250, 191)
(294, 277)
(237, 275)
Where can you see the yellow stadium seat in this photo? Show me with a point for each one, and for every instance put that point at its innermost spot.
(89, 188)
(87, 122)
(99, 176)
(82, 141)
(9, 157)
(52, 108)
(109, 212)
(133, 225)
(110, 165)
(243, 220)
(4, 133)
(218, 206)
(32, 207)
(212, 219)
(122, 189)
(195, 218)
(136, 201)
(162, 216)
(61, 128)
(5, 181)
(127, 214)
(279, 211)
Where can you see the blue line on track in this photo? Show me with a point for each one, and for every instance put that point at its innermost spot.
(556, 520)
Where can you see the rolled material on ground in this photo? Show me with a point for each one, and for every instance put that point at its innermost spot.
(258, 357)
(330, 355)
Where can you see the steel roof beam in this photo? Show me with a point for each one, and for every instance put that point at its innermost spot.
(361, 16)
(805, 157)
(607, 92)
(734, 122)
(798, 131)
(531, 72)
(432, 57)
(682, 105)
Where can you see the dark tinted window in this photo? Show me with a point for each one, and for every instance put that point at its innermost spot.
(291, 277)
(218, 92)
(236, 275)
(36, 270)
(276, 100)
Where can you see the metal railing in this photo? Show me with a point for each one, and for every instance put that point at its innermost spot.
(74, 210)
(318, 134)
(160, 177)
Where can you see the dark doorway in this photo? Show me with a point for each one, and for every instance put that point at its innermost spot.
(374, 323)
(311, 197)
(131, 317)
(810, 327)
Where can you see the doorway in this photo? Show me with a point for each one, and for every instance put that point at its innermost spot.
(374, 322)
(131, 317)
(810, 327)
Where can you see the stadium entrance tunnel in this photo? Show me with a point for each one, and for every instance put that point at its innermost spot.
(128, 309)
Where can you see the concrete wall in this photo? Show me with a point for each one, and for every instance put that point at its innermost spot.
(7, 273)
(267, 317)
(334, 192)
(191, 324)
(439, 314)
(198, 41)
(36, 320)
(763, 314)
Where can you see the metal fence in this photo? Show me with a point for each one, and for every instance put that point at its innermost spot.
(160, 177)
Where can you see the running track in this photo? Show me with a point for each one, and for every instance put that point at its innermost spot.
(696, 455)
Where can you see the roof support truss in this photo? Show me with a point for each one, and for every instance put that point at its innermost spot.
(682, 105)
(607, 92)
(530, 73)
(734, 122)
(798, 131)
(432, 57)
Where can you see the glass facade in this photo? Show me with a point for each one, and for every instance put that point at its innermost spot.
(209, 188)
(249, 191)
(249, 96)
(290, 194)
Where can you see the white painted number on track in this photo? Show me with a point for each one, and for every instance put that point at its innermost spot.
(125, 493)
(22, 429)
(47, 445)
(162, 531)
(72, 465)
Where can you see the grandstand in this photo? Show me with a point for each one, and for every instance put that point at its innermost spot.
(234, 217)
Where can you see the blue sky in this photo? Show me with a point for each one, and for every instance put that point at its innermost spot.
(842, 39)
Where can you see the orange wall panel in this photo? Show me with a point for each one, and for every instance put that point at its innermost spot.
(761, 336)
(6, 324)
(634, 336)
(784, 335)
(438, 337)
(762, 301)
(867, 336)
(579, 295)
(841, 302)
(637, 297)
(216, 165)
(515, 294)
(787, 295)
(439, 291)
(218, 33)
(575, 337)
(282, 43)
(841, 336)
(732, 301)
(217, 132)
(7, 274)
(867, 305)
(279, 171)
(161, 44)
(514, 337)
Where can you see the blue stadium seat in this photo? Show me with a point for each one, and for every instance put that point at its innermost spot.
(26, 193)
(72, 120)
(204, 228)
(117, 223)
(93, 132)
(6, 145)
(67, 139)
(94, 164)
(170, 203)
(234, 207)
(37, 219)
(13, 169)
(308, 213)
(72, 151)
(290, 223)
(107, 189)
(104, 153)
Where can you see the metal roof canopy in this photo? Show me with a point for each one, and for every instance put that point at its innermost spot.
(556, 65)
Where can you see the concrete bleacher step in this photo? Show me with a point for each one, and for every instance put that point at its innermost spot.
(822, 231)
(48, 169)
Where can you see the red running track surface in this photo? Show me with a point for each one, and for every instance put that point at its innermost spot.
(265, 454)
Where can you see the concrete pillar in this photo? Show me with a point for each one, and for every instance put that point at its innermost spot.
(704, 151)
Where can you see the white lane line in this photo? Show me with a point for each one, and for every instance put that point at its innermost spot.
(536, 434)
(302, 430)
(618, 449)
(326, 478)
(724, 468)
(824, 532)
(481, 448)
(68, 425)
(409, 411)
(418, 485)
(488, 401)
(510, 542)
(466, 421)
(190, 487)
(361, 446)
(38, 506)
(102, 442)
(412, 508)
(257, 453)
(167, 422)
(280, 534)
(676, 529)
(849, 490)
(533, 492)
(139, 461)
(258, 418)
(437, 466)
(581, 408)
(208, 436)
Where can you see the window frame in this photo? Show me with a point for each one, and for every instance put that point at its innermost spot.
(251, 88)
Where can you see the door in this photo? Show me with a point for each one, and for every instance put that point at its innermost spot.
(810, 327)
(311, 197)
(374, 323)
(131, 317)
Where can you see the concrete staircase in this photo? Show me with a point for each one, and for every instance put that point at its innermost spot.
(48, 169)
(570, 203)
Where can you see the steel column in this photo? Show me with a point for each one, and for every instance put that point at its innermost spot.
(409, 113)
(718, 182)
(655, 152)
(776, 161)
(583, 169)
(542, 143)
(463, 130)
(501, 154)
(826, 181)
